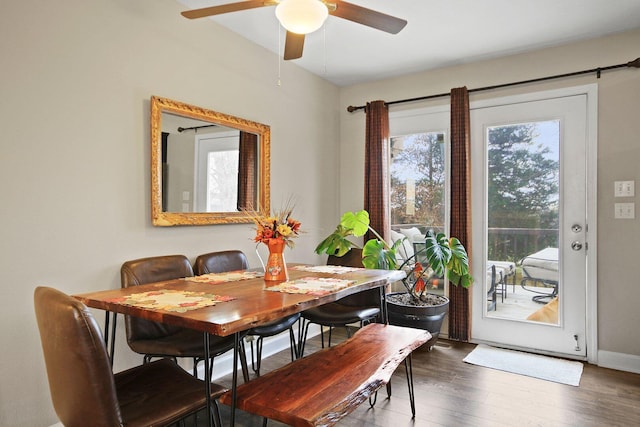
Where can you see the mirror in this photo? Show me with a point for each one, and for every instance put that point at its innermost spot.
(206, 167)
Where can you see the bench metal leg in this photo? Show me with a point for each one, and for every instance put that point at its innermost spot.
(372, 402)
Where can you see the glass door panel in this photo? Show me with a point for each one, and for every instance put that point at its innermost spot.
(522, 216)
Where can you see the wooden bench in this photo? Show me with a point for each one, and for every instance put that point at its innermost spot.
(324, 387)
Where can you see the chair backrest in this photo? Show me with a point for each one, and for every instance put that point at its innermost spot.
(370, 297)
(81, 382)
(149, 270)
(353, 258)
(220, 262)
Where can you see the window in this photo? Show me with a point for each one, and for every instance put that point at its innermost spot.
(417, 188)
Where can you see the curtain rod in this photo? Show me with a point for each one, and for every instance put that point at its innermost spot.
(635, 63)
(181, 129)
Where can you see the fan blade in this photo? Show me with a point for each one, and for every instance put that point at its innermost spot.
(368, 17)
(293, 45)
(226, 8)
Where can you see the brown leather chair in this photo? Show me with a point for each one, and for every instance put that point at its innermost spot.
(84, 390)
(220, 262)
(233, 260)
(154, 339)
(362, 307)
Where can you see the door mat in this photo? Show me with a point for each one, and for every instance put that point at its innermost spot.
(532, 365)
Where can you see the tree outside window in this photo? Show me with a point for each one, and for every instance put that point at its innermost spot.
(523, 195)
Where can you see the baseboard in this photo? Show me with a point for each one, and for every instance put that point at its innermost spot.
(619, 361)
(223, 365)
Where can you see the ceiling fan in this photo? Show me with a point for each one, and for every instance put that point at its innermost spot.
(300, 17)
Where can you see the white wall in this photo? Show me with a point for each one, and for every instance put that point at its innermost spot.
(75, 83)
(618, 157)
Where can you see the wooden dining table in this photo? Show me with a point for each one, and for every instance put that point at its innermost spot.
(224, 308)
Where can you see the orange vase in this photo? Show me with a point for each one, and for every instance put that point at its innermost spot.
(276, 269)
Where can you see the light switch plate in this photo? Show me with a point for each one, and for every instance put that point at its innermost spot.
(625, 211)
(624, 189)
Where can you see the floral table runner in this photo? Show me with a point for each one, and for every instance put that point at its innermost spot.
(332, 269)
(311, 286)
(171, 300)
(229, 276)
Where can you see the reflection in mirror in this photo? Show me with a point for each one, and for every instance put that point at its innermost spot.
(207, 167)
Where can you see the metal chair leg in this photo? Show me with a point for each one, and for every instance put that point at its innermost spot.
(243, 360)
(215, 414)
(292, 344)
(255, 365)
(303, 339)
(256, 362)
(322, 336)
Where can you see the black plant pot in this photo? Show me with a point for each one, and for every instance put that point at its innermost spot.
(428, 318)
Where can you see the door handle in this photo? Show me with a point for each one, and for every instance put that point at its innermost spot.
(576, 246)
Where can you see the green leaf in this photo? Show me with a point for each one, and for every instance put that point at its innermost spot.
(336, 243)
(459, 254)
(466, 281)
(458, 266)
(376, 255)
(438, 252)
(357, 222)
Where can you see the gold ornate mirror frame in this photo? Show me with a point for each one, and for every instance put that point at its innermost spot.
(160, 217)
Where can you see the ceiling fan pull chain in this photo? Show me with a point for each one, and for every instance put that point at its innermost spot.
(324, 46)
(279, 52)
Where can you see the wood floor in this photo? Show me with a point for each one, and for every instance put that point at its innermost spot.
(450, 392)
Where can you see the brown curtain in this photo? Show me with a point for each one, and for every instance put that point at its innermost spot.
(459, 307)
(247, 165)
(376, 168)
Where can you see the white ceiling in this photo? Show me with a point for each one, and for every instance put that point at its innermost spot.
(439, 33)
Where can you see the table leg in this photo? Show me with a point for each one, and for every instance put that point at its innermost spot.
(113, 337)
(110, 336)
(409, 371)
(107, 316)
(207, 377)
(383, 305)
(234, 384)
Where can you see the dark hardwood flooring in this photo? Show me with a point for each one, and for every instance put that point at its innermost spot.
(450, 392)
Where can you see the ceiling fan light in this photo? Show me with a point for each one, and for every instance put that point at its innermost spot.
(301, 16)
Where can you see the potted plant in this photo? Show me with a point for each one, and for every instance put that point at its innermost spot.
(415, 307)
